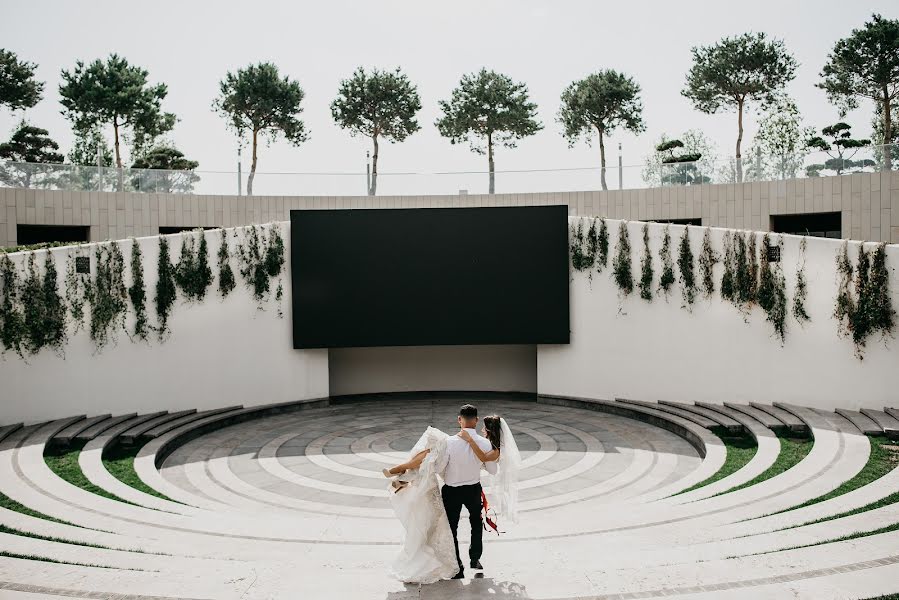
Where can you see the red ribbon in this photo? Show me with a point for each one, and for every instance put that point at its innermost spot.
(487, 519)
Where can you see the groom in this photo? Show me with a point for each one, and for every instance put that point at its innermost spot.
(462, 478)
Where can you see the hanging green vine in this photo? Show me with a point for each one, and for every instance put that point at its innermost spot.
(592, 243)
(602, 246)
(621, 264)
(44, 310)
(77, 286)
(32, 306)
(192, 273)
(871, 310)
(845, 304)
(685, 266)
(746, 270)
(667, 279)
(646, 273)
(12, 322)
(877, 302)
(261, 259)
(581, 260)
(54, 325)
(274, 252)
(728, 285)
(166, 290)
(108, 295)
(707, 260)
(801, 291)
(226, 274)
(279, 296)
(753, 266)
(138, 293)
(772, 295)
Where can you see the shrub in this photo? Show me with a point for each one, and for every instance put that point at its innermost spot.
(621, 264)
(646, 273)
(667, 279)
(685, 265)
(707, 260)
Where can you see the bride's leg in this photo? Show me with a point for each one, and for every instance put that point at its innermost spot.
(412, 464)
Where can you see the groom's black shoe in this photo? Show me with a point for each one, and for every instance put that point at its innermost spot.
(459, 575)
(476, 564)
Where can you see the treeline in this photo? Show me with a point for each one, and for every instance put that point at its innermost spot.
(487, 110)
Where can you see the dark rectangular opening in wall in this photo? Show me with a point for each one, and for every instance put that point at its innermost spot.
(27, 235)
(168, 230)
(697, 221)
(827, 225)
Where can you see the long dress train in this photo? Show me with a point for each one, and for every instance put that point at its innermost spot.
(428, 553)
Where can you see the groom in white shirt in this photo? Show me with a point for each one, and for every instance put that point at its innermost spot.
(461, 471)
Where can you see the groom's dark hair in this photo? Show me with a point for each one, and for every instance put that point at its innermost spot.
(468, 411)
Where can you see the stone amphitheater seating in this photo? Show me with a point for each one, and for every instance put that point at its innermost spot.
(262, 501)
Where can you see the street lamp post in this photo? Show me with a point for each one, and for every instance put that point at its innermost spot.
(239, 175)
(367, 173)
(620, 169)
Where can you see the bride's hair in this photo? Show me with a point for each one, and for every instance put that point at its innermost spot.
(494, 430)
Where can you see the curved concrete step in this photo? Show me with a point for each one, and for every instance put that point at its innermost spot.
(184, 420)
(884, 420)
(66, 436)
(707, 444)
(132, 435)
(98, 428)
(794, 423)
(684, 414)
(765, 455)
(723, 420)
(865, 424)
(6, 430)
(766, 419)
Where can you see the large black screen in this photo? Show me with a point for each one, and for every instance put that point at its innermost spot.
(429, 276)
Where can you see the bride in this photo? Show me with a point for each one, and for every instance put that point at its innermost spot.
(428, 553)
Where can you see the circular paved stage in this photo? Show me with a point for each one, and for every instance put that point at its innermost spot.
(329, 461)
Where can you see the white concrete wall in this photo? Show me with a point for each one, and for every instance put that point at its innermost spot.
(220, 353)
(501, 368)
(652, 351)
(229, 352)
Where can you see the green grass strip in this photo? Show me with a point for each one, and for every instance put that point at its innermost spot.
(62, 562)
(740, 450)
(37, 536)
(792, 451)
(64, 462)
(47, 538)
(883, 459)
(851, 536)
(120, 463)
(10, 504)
(885, 501)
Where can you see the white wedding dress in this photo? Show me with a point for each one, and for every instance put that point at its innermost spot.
(428, 554)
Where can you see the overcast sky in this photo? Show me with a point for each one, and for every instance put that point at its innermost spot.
(191, 45)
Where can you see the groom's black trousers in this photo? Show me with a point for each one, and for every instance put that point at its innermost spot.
(469, 496)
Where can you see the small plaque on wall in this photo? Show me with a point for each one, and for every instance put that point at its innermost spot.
(83, 265)
(773, 254)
